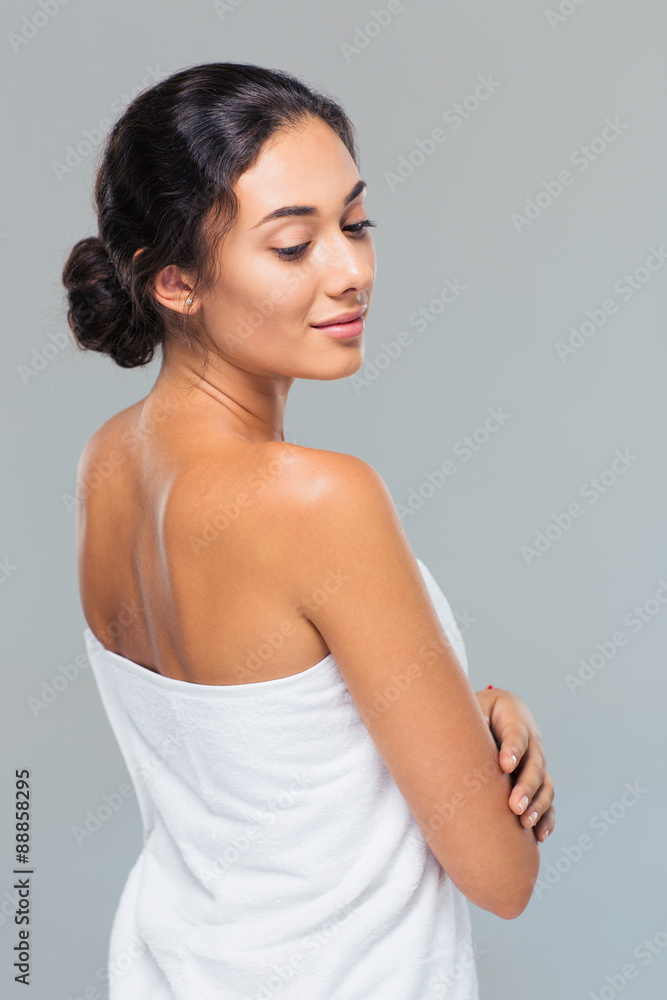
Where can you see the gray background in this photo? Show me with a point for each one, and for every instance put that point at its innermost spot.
(494, 346)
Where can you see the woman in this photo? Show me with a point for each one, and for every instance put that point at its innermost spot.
(319, 785)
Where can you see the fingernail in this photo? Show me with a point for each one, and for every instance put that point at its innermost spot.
(513, 760)
(523, 803)
(546, 834)
(533, 818)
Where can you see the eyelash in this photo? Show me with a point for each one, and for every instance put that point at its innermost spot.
(284, 252)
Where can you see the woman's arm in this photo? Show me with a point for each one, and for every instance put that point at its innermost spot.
(521, 756)
(336, 514)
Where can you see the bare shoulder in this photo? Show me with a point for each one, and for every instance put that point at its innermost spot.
(318, 476)
(339, 517)
(327, 497)
(106, 439)
(284, 507)
(281, 478)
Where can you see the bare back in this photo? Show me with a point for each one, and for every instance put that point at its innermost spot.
(205, 556)
(181, 548)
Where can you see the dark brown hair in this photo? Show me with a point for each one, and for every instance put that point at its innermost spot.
(165, 185)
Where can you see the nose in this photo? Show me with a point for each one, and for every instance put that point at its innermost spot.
(348, 264)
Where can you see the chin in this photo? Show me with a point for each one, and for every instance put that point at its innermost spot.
(339, 364)
(347, 363)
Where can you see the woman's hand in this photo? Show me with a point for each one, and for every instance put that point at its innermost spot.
(521, 756)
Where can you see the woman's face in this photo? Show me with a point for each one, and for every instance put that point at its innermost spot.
(279, 277)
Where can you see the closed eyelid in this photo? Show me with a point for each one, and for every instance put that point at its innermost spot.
(298, 249)
(312, 221)
(289, 211)
(318, 222)
(304, 235)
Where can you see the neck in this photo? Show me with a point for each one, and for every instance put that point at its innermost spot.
(251, 404)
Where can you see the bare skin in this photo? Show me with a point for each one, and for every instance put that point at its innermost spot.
(196, 626)
(189, 498)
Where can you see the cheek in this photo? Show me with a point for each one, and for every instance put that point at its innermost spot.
(371, 259)
(280, 305)
(292, 287)
(269, 292)
(266, 315)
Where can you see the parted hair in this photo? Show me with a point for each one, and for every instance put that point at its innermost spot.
(165, 186)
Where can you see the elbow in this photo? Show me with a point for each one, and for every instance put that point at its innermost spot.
(503, 878)
(515, 901)
(509, 907)
(516, 909)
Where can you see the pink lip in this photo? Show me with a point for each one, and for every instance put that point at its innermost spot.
(344, 327)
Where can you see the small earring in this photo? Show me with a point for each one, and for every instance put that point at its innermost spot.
(188, 302)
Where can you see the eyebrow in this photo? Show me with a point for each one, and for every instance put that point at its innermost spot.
(278, 213)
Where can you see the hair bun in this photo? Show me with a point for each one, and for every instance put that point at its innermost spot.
(99, 308)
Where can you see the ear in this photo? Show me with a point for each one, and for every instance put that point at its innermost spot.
(172, 288)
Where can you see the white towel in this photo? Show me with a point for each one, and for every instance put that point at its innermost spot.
(280, 859)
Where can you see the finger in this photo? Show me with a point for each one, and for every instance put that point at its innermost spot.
(538, 806)
(514, 739)
(545, 825)
(530, 776)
